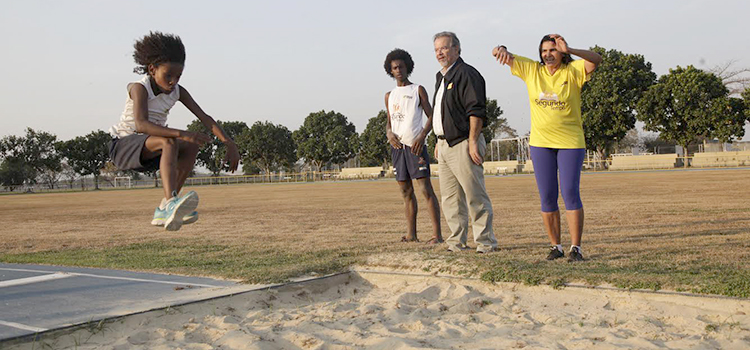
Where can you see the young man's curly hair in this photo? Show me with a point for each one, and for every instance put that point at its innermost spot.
(398, 54)
(157, 48)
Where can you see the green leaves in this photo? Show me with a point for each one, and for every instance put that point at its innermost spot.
(266, 147)
(88, 154)
(375, 149)
(326, 137)
(212, 154)
(26, 159)
(608, 100)
(689, 103)
(496, 126)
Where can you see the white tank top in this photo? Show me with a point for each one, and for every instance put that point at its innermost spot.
(406, 113)
(158, 109)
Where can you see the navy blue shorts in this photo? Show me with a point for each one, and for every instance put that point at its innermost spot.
(408, 166)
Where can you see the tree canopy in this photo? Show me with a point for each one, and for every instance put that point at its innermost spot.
(496, 125)
(608, 100)
(33, 156)
(689, 103)
(212, 154)
(375, 149)
(326, 137)
(87, 155)
(266, 146)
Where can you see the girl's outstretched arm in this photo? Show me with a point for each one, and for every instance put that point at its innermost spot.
(233, 155)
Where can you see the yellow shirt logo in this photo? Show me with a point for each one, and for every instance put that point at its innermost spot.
(555, 102)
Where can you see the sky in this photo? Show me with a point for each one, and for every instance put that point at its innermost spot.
(65, 65)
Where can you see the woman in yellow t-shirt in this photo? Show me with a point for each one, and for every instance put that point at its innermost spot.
(556, 142)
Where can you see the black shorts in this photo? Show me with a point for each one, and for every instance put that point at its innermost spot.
(408, 166)
(126, 152)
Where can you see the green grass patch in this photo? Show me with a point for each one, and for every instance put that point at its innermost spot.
(197, 258)
(269, 265)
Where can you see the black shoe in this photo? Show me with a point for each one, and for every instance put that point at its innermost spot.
(575, 255)
(555, 253)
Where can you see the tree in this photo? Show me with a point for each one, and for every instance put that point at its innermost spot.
(735, 79)
(628, 142)
(14, 172)
(431, 143)
(746, 98)
(375, 149)
(496, 126)
(37, 152)
(326, 137)
(67, 171)
(212, 154)
(689, 103)
(270, 147)
(608, 101)
(88, 154)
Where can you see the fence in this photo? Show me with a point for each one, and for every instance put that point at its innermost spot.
(616, 162)
(118, 183)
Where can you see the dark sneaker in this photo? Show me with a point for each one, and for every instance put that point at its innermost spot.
(555, 253)
(575, 255)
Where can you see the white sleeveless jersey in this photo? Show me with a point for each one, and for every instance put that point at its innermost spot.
(158, 109)
(406, 113)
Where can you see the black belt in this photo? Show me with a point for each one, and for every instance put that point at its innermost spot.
(441, 137)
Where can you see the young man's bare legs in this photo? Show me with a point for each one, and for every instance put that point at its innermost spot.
(410, 209)
(433, 206)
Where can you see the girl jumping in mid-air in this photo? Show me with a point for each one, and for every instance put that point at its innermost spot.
(142, 141)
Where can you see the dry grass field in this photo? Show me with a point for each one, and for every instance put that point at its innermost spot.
(679, 230)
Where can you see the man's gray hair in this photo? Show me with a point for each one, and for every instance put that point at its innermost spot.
(454, 39)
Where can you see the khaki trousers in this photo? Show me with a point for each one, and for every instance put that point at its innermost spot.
(464, 195)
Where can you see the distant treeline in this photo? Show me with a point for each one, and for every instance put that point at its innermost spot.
(685, 106)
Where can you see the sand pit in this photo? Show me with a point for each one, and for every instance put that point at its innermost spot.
(386, 311)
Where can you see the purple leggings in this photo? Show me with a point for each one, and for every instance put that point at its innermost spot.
(547, 161)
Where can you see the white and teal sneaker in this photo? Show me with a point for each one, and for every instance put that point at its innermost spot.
(177, 208)
(160, 215)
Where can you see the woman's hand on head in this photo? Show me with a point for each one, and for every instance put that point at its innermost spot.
(560, 43)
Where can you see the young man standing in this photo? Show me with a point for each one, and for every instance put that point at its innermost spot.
(406, 133)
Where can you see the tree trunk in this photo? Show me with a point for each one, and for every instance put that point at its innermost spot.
(685, 155)
(601, 151)
(96, 182)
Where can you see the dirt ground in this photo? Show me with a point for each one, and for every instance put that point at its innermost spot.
(685, 218)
